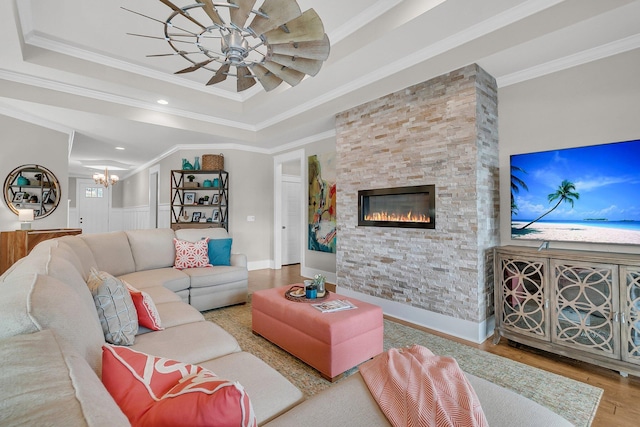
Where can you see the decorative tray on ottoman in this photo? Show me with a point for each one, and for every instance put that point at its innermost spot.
(297, 293)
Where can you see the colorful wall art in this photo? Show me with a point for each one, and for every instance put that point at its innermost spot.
(322, 202)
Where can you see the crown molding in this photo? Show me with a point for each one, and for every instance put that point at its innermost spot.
(580, 58)
(239, 147)
(372, 12)
(483, 28)
(117, 99)
(12, 111)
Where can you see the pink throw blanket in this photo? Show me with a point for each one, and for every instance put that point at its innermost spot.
(415, 388)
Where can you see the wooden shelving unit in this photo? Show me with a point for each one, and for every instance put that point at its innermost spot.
(215, 212)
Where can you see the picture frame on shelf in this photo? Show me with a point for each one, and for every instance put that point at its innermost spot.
(189, 197)
(195, 217)
(46, 196)
(18, 198)
(215, 216)
(215, 199)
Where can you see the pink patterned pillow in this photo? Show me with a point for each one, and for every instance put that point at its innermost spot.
(159, 392)
(191, 255)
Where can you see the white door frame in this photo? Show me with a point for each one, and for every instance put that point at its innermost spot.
(154, 199)
(277, 204)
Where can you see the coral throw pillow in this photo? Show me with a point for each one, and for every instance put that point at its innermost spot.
(191, 254)
(148, 315)
(154, 391)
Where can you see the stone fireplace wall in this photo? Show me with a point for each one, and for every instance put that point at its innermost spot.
(443, 132)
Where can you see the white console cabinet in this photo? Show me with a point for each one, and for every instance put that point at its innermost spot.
(580, 304)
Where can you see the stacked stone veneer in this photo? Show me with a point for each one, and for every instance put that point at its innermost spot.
(442, 132)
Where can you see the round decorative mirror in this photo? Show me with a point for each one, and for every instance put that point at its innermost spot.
(32, 187)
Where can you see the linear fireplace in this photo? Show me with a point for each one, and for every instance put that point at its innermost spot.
(407, 207)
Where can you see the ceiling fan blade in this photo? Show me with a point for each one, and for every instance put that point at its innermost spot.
(292, 77)
(245, 79)
(307, 66)
(317, 49)
(195, 67)
(307, 27)
(182, 12)
(268, 80)
(220, 75)
(240, 14)
(211, 11)
(279, 12)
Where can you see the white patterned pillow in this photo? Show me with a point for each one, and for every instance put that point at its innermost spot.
(191, 254)
(118, 316)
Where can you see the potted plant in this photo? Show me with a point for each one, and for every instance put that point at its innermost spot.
(318, 281)
(191, 184)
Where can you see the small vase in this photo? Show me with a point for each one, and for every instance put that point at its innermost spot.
(186, 165)
(216, 182)
(196, 164)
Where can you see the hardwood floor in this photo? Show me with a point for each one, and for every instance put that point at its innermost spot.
(620, 404)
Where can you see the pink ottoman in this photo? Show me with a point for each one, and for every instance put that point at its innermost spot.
(330, 342)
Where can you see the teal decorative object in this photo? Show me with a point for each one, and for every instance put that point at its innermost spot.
(196, 164)
(22, 181)
(186, 165)
(207, 183)
(216, 182)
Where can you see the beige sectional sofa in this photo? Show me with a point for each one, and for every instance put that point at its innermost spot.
(51, 340)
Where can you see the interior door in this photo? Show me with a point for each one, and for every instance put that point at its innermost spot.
(291, 221)
(93, 206)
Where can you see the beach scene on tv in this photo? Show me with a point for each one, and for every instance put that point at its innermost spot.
(585, 194)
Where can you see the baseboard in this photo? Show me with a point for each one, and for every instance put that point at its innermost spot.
(464, 329)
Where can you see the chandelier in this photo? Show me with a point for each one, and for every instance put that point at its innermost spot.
(280, 43)
(105, 179)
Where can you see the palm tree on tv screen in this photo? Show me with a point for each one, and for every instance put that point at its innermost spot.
(516, 184)
(566, 192)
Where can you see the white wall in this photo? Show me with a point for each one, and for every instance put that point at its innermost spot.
(25, 143)
(250, 194)
(590, 104)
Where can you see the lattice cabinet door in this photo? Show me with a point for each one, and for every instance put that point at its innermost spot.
(586, 301)
(630, 319)
(522, 303)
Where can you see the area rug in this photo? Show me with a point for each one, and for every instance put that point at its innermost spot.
(575, 401)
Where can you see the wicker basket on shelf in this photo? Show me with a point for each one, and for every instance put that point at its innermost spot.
(212, 162)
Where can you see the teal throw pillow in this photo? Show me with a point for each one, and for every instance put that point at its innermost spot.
(220, 251)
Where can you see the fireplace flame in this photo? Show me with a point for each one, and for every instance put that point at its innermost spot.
(408, 217)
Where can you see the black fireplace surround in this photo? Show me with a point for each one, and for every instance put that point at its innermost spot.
(405, 207)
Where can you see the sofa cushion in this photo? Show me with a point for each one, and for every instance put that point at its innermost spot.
(178, 342)
(31, 303)
(170, 278)
(191, 254)
(195, 234)
(217, 275)
(111, 251)
(82, 251)
(152, 248)
(44, 381)
(148, 315)
(271, 393)
(116, 310)
(220, 251)
(154, 391)
(178, 313)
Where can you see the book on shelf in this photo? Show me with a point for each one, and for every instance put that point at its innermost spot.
(335, 305)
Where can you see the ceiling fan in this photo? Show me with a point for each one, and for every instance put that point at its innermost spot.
(280, 43)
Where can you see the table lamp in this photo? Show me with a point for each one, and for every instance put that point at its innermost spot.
(25, 216)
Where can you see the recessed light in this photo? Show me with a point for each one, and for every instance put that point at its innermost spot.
(119, 148)
(162, 102)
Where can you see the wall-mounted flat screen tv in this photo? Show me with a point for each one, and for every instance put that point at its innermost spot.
(586, 194)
